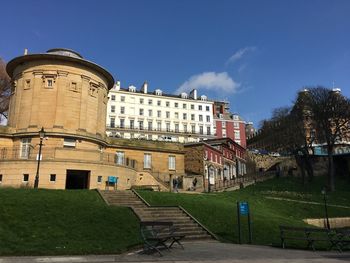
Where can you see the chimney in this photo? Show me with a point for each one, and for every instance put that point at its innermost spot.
(25, 51)
(117, 85)
(193, 94)
(144, 87)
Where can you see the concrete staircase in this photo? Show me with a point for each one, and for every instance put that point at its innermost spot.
(186, 224)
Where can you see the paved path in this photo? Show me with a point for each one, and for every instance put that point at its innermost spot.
(304, 202)
(203, 252)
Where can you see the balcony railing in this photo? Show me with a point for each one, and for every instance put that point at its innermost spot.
(65, 153)
(143, 129)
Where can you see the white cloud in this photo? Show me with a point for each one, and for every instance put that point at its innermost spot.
(219, 82)
(239, 54)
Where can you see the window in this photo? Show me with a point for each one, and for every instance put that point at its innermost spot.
(192, 117)
(147, 161)
(141, 125)
(176, 104)
(119, 158)
(122, 110)
(141, 112)
(208, 130)
(192, 106)
(200, 117)
(159, 114)
(200, 129)
(172, 164)
(149, 136)
(224, 134)
(184, 116)
(112, 122)
(141, 101)
(167, 103)
(207, 108)
(25, 177)
(184, 106)
(122, 123)
(69, 143)
(122, 98)
(200, 107)
(132, 124)
(237, 135)
(99, 179)
(150, 102)
(193, 128)
(150, 124)
(208, 118)
(132, 136)
(113, 97)
(236, 124)
(168, 126)
(176, 115)
(224, 124)
(176, 127)
(112, 108)
(52, 177)
(25, 147)
(0, 178)
(235, 117)
(150, 113)
(185, 127)
(158, 102)
(159, 126)
(49, 83)
(167, 114)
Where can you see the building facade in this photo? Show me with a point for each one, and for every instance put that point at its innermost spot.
(140, 114)
(216, 160)
(228, 125)
(67, 96)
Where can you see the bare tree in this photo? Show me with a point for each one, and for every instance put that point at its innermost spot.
(5, 90)
(331, 116)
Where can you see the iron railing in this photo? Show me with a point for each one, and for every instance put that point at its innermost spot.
(64, 153)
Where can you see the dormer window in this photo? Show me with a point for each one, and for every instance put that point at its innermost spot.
(203, 97)
(158, 92)
(132, 88)
(184, 95)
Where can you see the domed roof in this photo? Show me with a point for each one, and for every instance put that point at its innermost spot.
(64, 52)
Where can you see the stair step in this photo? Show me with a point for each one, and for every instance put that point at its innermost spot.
(180, 219)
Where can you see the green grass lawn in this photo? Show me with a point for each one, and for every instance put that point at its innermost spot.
(217, 211)
(52, 222)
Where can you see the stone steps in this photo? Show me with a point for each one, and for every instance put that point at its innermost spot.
(188, 227)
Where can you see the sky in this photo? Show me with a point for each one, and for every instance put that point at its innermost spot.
(254, 54)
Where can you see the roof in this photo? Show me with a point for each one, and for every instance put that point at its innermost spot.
(59, 54)
(165, 95)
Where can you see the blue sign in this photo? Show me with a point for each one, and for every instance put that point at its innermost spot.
(243, 208)
(112, 179)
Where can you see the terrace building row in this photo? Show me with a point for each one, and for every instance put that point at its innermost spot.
(184, 118)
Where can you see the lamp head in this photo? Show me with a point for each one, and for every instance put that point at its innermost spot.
(42, 133)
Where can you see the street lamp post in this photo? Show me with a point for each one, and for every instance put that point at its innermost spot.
(42, 136)
(209, 179)
(324, 192)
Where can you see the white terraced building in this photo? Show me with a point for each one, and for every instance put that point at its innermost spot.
(141, 114)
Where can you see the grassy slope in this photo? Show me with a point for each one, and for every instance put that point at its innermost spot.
(217, 211)
(49, 222)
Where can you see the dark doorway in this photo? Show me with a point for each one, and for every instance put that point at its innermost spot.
(77, 179)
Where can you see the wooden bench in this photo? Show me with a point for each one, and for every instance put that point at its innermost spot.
(310, 235)
(156, 234)
(343, 235)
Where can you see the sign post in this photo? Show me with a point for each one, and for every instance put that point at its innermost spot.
(243, 210)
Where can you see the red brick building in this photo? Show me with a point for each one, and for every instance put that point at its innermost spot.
(228, 125)
(217, 160)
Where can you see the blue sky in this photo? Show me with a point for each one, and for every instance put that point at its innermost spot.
(255, 54)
